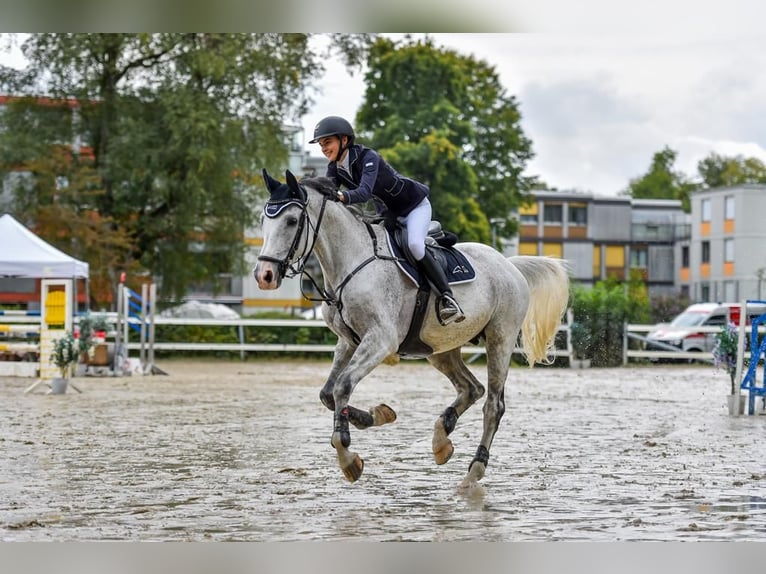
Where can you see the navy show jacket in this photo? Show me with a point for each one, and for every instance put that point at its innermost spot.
(373, 178)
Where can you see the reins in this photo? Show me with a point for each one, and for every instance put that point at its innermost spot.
(288, 269)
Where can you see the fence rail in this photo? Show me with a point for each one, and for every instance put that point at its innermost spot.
(242, 346)
(632, 332)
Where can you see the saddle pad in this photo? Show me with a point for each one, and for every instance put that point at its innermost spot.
(455, 264)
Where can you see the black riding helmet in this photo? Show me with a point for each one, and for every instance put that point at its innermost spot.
(333, 126)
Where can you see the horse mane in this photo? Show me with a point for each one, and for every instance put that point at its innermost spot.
(326, 186)
(323, 185)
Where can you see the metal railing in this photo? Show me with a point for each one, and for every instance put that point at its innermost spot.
(632, 332)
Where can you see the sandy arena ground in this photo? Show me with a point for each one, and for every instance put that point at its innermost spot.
(230, 450)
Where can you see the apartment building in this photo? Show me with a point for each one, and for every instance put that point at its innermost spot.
(725, 259)
(605, 237)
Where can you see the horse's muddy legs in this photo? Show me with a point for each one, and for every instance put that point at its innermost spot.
(335, 395)
(350, 463)
(469, 390)
(374, 417)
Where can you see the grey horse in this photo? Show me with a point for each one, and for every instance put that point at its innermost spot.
(369, 304)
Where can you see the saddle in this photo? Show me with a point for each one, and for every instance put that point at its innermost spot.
(456, 267)
(441, 245)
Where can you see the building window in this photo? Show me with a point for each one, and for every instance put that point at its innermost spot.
(639, 257)
(578, 215)
(553, 214)
(704, 291)
(685, 256)
(705, 252)
(705, 210)
(528, 214)
(728, 205)
(728, 250)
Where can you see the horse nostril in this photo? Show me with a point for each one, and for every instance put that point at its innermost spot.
(268, 277)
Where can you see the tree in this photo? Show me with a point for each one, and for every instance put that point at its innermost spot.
(177, 127)
(661, 181)
(720, 171)
(445, 119)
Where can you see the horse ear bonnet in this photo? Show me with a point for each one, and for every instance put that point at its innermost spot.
(281, 194)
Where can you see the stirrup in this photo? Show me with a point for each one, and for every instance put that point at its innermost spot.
(449, 311)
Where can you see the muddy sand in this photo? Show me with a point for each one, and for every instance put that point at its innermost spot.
(230, 450)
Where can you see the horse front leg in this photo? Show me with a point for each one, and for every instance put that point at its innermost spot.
(365, 358)
(361, 419)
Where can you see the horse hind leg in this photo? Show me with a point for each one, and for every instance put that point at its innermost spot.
(469, 390)
(498, 360)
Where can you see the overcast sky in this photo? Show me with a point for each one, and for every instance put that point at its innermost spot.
(597, 107)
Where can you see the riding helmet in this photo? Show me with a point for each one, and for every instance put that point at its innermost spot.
(333, 126)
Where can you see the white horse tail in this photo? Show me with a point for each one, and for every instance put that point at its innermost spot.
(548, 280)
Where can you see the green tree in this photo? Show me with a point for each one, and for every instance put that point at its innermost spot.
(177, 127)
(445, 119)
(661, 181)
(720, 171)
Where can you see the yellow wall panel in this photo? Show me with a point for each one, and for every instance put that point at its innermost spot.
(553, 249)
(615, 256)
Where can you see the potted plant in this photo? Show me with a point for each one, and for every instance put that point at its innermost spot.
(64, 356)
(580, 339)
(92, 333)
(725, 357)
(85, 338)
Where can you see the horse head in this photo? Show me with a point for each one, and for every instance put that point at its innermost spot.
(284, 239)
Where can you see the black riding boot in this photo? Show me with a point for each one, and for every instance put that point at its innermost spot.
(447, 309)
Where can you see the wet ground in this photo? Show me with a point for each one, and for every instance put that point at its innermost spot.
(240, 451)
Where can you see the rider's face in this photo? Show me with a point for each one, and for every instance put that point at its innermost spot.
(330, 146)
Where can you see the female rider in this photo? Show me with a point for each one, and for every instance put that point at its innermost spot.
(365, 175)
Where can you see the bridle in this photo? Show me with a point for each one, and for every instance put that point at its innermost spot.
(286, 267)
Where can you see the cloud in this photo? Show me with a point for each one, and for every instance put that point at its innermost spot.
(575, 108)
(585, 134)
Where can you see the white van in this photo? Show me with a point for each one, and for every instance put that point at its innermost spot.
(682, 331)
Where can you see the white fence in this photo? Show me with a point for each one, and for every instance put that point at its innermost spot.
(242, 346)
(632, 332)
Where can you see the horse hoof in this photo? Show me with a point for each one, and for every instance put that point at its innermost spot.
(475, 473)
(443, 453)
(382, 414)
(353, 467)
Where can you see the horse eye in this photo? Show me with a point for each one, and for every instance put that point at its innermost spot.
(292, 221)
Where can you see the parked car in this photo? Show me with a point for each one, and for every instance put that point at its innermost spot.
(683, 331)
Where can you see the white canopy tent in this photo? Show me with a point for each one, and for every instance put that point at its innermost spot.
(23, 255)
